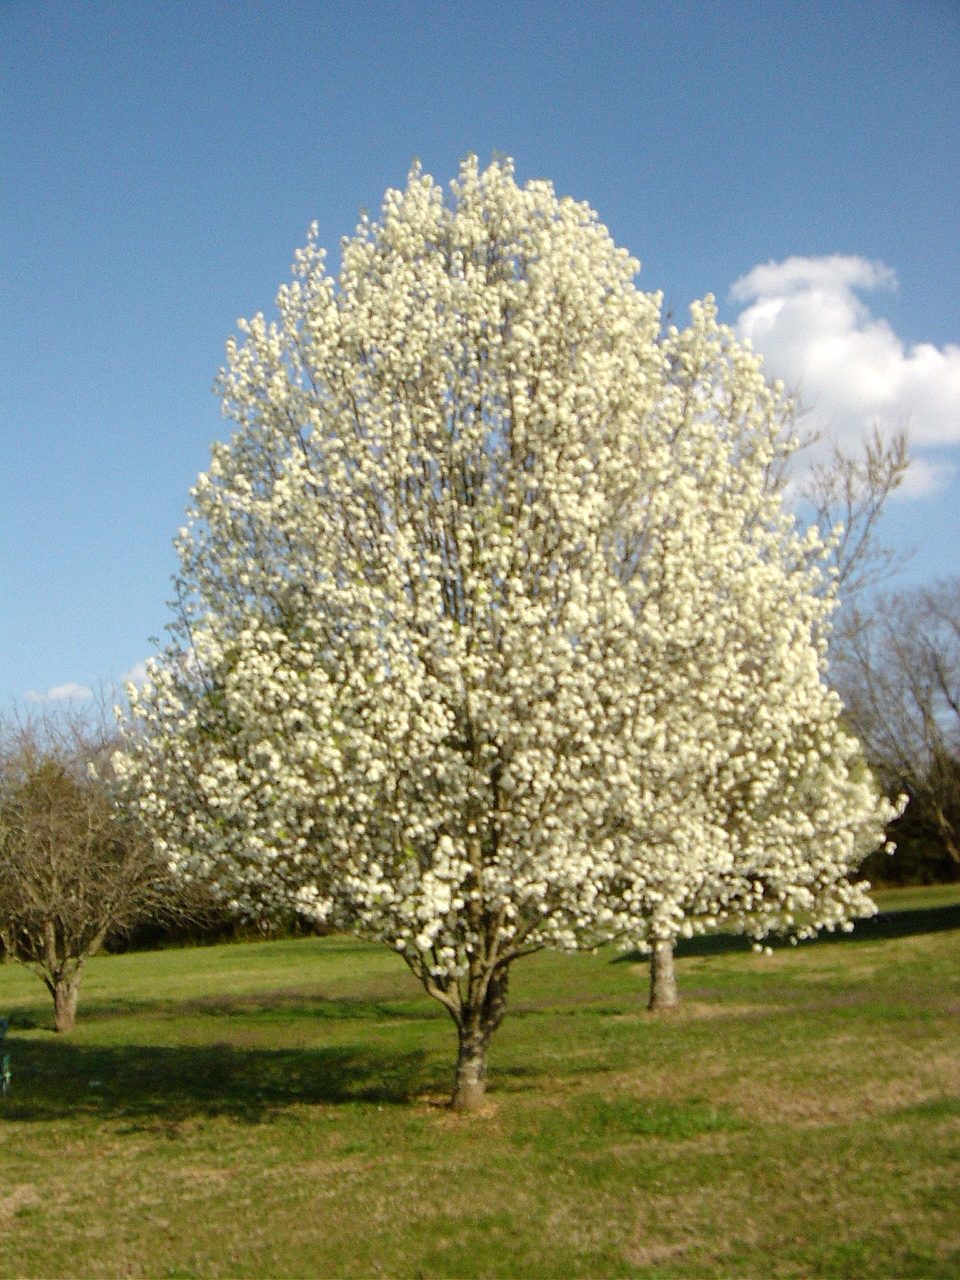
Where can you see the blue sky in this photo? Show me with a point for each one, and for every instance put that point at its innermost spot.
(161, 163)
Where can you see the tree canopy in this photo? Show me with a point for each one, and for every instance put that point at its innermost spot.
(493, 633)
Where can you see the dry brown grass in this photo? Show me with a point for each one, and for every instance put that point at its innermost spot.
(804, 1121)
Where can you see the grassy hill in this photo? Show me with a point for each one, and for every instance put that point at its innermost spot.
(277, 1109)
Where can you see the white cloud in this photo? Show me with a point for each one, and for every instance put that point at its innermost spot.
(69, 692)
(925, 478)
(136, 675)
(847, 366)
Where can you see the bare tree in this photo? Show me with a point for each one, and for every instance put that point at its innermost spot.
(73, 864)
(846, 495)
(899, 676)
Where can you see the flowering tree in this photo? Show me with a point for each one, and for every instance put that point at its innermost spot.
(462, 600)
(773, 806)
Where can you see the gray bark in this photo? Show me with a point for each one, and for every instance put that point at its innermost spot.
(475, 1025)
(66, 992)
(663, 977)
(469, 1090)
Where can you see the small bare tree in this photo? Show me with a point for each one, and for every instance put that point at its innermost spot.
(73, 864)
(900, 679)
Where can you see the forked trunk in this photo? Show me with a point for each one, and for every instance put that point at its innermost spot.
(469, 1089)
(474, 1028)
(65, 995)
(663, 977)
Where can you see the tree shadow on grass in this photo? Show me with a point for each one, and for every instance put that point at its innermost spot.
(265, 1006)
(158, 1084)
(909, 922)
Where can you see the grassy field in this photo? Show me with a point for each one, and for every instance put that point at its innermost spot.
(276, 1109)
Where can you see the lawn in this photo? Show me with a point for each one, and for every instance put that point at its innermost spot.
(277, 1109)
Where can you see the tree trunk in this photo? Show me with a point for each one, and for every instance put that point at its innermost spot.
(65, 994)
(469, 1089)
(663, 978)
(475, 1027)
(947, 836)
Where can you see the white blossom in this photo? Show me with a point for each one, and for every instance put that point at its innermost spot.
(492, 633)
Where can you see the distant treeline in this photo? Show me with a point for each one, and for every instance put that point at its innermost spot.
(920, 857)
(218, 925)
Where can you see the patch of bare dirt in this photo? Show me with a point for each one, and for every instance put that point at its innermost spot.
(24, 1196)
(918, 1079)
(671, 1226)
(205, 1177)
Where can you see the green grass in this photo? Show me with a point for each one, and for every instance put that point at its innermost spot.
(277, 1109)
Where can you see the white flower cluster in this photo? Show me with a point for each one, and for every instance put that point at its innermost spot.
(494, 635)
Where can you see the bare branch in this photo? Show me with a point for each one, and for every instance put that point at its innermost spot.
(847, 495)
(899, 676)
